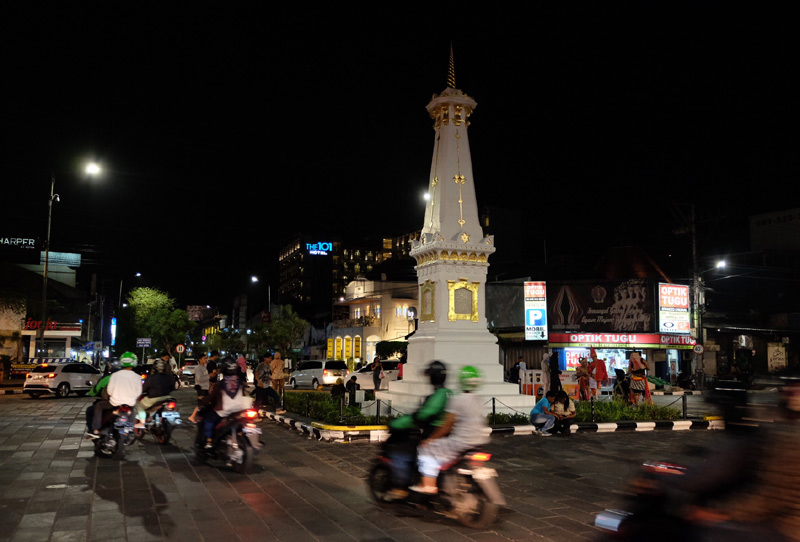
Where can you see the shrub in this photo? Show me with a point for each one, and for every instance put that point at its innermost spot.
(325, 408)
(617, 410)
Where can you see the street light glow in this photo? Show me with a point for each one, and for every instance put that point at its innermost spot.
(93, 168)
(254, 279)
(721, 264)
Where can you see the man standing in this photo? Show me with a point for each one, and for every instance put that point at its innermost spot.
(201, 384)
(213, 366)
(264, 389)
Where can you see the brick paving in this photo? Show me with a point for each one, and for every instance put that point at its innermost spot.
(53, 488)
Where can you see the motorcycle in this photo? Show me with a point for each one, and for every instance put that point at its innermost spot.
(162, 419)
(235, 441)
(468, 490)
(117, 433)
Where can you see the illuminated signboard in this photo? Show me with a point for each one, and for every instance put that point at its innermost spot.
(673, 309)
(535, 311)
(113, 331)
(319, 249)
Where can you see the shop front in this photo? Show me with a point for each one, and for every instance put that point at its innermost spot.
(57, 342)
(663, 352)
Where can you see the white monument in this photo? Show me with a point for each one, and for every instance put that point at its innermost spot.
(452, 261)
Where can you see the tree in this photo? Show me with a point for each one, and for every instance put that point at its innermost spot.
(285, 330)
(155, 316)
(387, 349)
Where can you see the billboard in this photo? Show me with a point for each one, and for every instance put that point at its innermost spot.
(600, 306)
(673, 309)
(535, 311)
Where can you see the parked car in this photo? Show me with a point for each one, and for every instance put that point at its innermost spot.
(188, 369)
(60, 379)
(316, 373)
(391, 368)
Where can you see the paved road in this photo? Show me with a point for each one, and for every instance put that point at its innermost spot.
(53, 488)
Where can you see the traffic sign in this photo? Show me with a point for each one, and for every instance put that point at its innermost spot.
(698, 349)
(144, 343)
(180, 349)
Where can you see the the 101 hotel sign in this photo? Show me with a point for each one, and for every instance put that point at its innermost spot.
(535, 311)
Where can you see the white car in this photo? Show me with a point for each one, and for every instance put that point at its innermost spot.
(316, 373)
(391, 368)
(60, 379)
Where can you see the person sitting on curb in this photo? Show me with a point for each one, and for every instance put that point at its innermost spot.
(564, 411)
(541, 413)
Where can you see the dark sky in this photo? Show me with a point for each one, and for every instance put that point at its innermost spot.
(223, 129)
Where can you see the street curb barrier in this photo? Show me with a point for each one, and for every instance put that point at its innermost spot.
(379, 433)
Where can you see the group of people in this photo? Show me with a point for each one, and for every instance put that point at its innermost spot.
(121, 385)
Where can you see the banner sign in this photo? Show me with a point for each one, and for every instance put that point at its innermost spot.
(621, 340)
(673, 308)
(599, 306)
(535, 311)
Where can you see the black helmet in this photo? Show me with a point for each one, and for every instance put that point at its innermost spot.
(114, 365)
(160, 366)
(229, 366)
(437, 373)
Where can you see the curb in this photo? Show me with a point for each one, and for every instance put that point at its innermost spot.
(379, 433)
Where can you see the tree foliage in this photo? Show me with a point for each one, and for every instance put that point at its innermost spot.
(155, 316)
(388, 349)
(286, 329)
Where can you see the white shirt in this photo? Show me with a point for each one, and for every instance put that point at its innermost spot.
(124, 388)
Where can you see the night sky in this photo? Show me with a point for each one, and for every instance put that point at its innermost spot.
(224, 129)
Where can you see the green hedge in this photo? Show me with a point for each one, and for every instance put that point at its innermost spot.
(324, 408)
(604, 411)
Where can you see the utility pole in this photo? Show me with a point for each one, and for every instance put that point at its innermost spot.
(697, 304)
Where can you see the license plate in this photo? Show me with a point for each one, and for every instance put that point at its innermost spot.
(256, 430)
(170, 415)
(480, 473)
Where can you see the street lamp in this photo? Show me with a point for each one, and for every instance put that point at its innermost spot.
(92, 169)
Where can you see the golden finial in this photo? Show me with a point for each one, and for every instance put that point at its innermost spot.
(451, 72)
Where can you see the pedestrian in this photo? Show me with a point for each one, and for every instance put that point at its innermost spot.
(278, 375)
(201, 384)
(582, 375)
(637, 369)
(377, 373)
(352, 387)
(338, 389)
(545, 366)
(542, 414)
(264, 389)
(597, 372)
(555, 373)
(213, 367)
(564, 411)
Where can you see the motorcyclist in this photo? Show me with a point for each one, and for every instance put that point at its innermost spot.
(464, 427)
(769, 508)
(99, 389)
(407, 431)
(156, 388)
(227, 398)
(124, 388)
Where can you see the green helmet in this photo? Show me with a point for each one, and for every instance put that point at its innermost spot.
(470, 378)
(128, 359)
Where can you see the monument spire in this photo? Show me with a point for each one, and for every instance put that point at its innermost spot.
(452, 258)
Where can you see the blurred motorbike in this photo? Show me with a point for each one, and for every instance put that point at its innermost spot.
(468, 490)
(235, 440)
(162, 418)
(116, 433)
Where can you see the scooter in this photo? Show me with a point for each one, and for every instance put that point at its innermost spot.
(468, 490)
(116, 434)
(235, 440)
(162, 419)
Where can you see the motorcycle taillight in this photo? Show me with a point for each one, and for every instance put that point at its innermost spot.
(171, 405)
(250, 413)
(480, 456)
(124, 408)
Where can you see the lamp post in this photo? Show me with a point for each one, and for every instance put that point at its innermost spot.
(91, 169)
